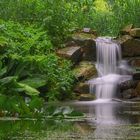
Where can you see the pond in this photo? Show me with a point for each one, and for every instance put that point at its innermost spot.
(110, 120)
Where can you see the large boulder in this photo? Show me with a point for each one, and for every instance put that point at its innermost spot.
(130, 84)
(130, 46)
(132, 92)
(135, 32)
(136, 75)
(72, 53)
(130, 30)
(86, 97)
(129, 93)
(87, 43)
(138, 89)
(135, 64)
(126, 30)
(85, 70)
(82, 88)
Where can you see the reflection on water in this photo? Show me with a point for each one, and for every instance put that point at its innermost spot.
(110, 112)
(112, 119)
(104, 121)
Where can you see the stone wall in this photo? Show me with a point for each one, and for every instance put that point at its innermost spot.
(81, 50)
(129, 40)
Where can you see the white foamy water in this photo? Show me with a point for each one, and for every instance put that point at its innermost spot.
(108, 56)
(111, 69)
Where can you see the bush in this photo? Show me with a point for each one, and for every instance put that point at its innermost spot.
(55, 72)
(29, 68)
(59, 17)
(22, 40)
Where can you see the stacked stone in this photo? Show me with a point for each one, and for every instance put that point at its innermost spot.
(81, 50)
(130, 43)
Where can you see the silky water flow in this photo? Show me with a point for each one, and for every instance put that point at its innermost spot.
(111, 69)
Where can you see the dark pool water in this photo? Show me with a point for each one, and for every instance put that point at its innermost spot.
(103, 121)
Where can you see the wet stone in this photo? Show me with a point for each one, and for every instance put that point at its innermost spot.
(86, 97)
(130, 84)
(126, 29)
(136, 75)
(86, 40)
(134, 62)
(82, 88)
(130, 46)
(128, 94)
(72, 53)
(135, 32)
(138, 89)
(85, 70)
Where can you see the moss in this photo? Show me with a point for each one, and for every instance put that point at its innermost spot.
(84, 35)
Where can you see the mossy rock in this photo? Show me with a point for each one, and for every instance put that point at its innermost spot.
(85, 70)
(86, 97)
(72, 53)
(82, 88)
(84, 36)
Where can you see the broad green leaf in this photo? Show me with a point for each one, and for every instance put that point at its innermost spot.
(34, 82)
(29, 90)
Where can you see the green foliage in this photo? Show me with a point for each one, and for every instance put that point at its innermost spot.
(29, 57)
(11, 102)
(22, 40)
(61, 16)
(63, 112)
(29, 68)
(35, 82)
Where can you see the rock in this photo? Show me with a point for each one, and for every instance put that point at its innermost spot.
(85, 70)
(87, 43)
(70, 43)
(126, 30)
(72, 53)
(138, 89)
(136, 75)
(89, 51)
(130, 84)
(128, 94)
(90, 31)
(135, 62)
(135, 32)
(82, 88)
(132, 93)
(130, 46)
(86, 97)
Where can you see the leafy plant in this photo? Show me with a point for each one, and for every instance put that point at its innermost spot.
(63, 112)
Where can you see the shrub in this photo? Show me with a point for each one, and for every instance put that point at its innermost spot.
(29, 68)
(59, 17)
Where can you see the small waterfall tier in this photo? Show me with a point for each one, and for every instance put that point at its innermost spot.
(111, 69)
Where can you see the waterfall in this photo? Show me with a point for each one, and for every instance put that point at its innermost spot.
(108, 56)
(111, 69)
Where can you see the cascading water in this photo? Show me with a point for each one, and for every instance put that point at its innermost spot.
(111, 69)
(108, 56)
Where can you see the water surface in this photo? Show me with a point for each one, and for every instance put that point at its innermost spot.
(103, 121)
